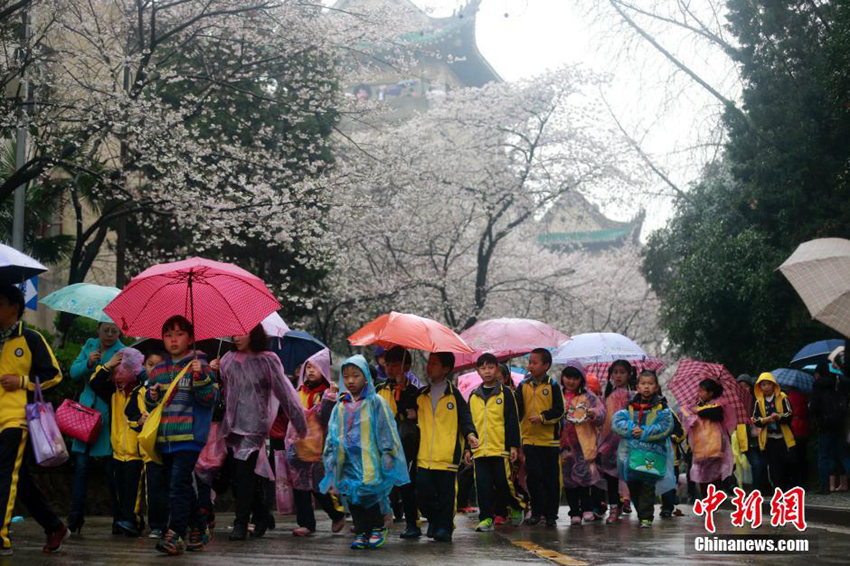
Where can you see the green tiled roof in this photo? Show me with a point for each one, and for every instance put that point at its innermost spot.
(597, 236)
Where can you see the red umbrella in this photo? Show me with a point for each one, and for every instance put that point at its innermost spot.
(409, 331)
(685, 385)
(508, 338)
(220, 299)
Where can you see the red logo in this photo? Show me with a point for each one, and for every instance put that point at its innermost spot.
(747, 508)
(709, 505)
(788, 507)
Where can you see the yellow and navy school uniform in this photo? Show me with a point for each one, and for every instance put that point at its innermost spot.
(155, 485)
(127, 464)
(494, 413)
(541, 443)
(775, 440)
(23, 353)
(399, 400)
(444, 424)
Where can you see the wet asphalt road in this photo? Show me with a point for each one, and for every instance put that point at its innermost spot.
(592, 544)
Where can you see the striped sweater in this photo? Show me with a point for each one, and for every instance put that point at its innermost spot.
(185, 422)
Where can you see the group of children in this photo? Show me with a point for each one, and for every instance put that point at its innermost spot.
(393, 449)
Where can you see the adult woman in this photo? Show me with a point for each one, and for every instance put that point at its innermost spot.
(254, 387)
(95, 352)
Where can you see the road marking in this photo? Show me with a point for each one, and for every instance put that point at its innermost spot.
(550, 555)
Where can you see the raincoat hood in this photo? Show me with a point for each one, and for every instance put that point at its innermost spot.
(766, 376)
(582, 386)
(321, 360)
(360, 363)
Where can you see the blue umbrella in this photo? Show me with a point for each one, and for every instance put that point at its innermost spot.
(795, 378)
(83, 299)
(814, 353)
(294, 348)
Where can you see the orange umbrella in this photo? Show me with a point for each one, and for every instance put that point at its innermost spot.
(409, 331)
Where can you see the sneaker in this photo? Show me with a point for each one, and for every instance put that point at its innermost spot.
(485, 526)
(209, 518)
(360, 542)
(532, 521)
(645, 524)
(443, 535)
(678, 513)
(171, 544)
(411, 532)
(576, 521)
(430, 531)
(613, 515)
(378, 538)
(338, 525)
(197, 540)
(155, 533)
(516, 517)
(468, 510)
(302, 532)
(588, 516)
(55, 539)
(239, 532)
(597, 516)
(260, 528)
(128, 528)
(627, 506)
(551, 523)
(666, 515)
(499, 521)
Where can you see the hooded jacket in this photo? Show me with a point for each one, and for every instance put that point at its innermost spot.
(764, 409)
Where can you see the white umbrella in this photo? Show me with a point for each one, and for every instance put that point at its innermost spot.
(598, 347)
(819, 270)
(16, 267)
(275, 326)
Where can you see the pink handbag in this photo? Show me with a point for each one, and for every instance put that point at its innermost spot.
(78, 421)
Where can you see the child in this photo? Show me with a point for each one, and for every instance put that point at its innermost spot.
(707, 437)
(400, 394)
(617, 396)
(646, 424)
(540, 405)
(183, 430)
(24, 358)
(829, 406)
(772, 417)
(115, 382)
(363, 455)
(444, 423)
(494, 413)
(156, 484)
(304, 459)
(579, 442)
(669, 498)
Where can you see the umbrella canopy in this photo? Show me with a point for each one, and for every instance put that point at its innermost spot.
(409, 331)
(467, 382)
(819, 270)
(295, 347)
(219, 298)
(597, 347)
(274, 326)
(795, 378)
(685, 386)
(212, 347)
(600, 369)
(814, 353)
(83, 299)
(16, 267)
(507, 338)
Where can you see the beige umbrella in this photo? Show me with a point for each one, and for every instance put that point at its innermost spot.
(819, 270)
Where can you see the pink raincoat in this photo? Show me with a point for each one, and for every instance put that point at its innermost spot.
(254, 387)
(710, 443)
(608, 439)
(580, 440)
(305, 470)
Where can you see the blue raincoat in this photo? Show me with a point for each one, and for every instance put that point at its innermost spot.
(80, 371)
(360, 432)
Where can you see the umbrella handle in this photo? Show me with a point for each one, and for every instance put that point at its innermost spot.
(220, 342)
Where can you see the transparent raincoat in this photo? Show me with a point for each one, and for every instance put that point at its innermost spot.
(711, 445)
(254, 387)
(363, 456)
(304, 454)
(580, 436)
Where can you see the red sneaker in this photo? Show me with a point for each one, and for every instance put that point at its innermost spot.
(55, 539)
(499, 520)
